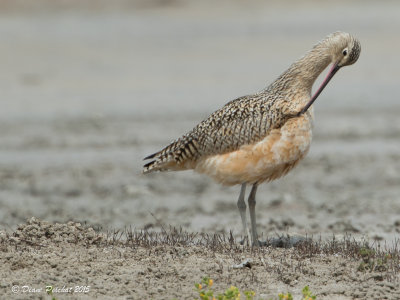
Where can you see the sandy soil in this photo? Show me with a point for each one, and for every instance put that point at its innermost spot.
(76, 262)
(89, 90)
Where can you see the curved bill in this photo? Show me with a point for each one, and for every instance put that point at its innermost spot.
(328, 77)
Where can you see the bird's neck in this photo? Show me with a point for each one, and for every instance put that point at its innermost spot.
(302, 74)
(311, 65)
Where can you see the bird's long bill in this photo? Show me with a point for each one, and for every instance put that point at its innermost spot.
(328, 77)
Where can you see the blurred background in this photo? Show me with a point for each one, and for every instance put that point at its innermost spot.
(88, 88)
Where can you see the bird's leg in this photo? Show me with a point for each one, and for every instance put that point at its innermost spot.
(252, 209)
(242, 210)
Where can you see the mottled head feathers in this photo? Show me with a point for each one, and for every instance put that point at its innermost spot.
(345, 49)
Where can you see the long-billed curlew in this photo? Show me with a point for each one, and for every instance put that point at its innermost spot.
(259, 137)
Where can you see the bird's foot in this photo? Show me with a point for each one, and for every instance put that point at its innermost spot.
(244, 241)
(256, 244)
(286, 241)
(278, 242)
(260, 244)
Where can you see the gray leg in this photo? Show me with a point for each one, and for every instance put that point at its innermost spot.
(252, 208)
(242, 210)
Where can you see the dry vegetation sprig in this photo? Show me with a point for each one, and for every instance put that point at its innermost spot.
(174, 237)
(381, 260)
(373, 257)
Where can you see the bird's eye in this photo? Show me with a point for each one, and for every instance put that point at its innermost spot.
(344, 52)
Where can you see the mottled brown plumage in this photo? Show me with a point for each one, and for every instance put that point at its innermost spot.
(259, 137)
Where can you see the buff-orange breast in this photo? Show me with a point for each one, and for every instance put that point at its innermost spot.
(268, 159)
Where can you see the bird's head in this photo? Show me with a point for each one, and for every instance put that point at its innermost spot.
(345, 49)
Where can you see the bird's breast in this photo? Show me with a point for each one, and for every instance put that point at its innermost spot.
(270, 158)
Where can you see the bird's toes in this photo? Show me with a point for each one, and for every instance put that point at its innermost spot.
(259, 243)
(244, 241)
(286, 241)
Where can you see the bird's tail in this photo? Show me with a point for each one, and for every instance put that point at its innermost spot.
(160, 161)
(179, 155)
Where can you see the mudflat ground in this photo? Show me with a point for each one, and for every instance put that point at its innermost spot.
(89, 90)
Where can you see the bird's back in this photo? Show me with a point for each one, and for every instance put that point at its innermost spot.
(243, 121)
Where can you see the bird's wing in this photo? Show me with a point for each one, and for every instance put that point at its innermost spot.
(242, 121)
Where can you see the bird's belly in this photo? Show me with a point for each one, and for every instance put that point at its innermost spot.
(268, 159)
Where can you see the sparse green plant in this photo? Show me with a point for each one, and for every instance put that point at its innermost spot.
(366, 252)
(287, 296)
(307, 295)
(206, 292)
(370, 261)
(49, 291)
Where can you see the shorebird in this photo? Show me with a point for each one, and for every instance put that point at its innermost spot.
(259, 137)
